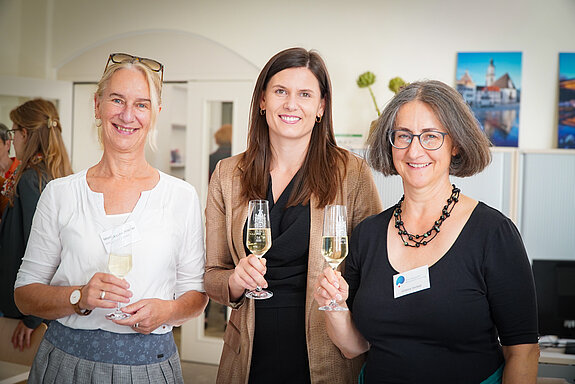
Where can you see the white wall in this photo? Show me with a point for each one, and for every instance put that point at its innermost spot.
(413, 39)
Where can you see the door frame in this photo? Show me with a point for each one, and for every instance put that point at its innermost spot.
(59, 90)
(195, 346)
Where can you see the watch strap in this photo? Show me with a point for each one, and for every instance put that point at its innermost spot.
(77, 309)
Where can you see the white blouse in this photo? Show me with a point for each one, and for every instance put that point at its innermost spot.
(65, 247)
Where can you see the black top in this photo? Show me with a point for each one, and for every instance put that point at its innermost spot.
(481, 288)
(287, 259)
(279, 348)
(14, 232)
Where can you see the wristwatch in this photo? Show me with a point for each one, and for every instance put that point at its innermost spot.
(75, 297)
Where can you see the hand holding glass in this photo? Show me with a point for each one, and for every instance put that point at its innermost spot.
(334, 244)
(119, 264)
(259, 238)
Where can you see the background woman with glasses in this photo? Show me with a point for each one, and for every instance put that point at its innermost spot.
(38, 143)
(79, 221)
(439, 285)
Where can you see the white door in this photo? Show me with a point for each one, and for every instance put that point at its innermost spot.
(16, 90)
(211, 105)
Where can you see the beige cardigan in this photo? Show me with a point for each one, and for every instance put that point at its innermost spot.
(226, 214)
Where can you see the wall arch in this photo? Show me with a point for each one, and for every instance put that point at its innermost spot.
(185, 55)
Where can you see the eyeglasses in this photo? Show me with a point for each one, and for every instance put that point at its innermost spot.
(152, 64)
(10, 133)
(430, 140)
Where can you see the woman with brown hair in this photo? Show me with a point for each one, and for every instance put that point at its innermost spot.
(292, 161)
(37, 138)
(439, 285)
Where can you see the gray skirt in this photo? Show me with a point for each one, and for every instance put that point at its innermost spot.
(57, 362)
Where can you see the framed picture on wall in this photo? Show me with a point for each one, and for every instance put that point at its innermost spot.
(490, 82)
(566, 124)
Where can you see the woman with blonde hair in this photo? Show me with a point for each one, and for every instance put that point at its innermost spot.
(38, 143)
(79, 221)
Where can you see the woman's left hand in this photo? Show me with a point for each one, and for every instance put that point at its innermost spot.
(21, 336)
(147, 315)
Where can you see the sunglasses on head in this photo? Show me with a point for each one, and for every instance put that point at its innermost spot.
(152, 64)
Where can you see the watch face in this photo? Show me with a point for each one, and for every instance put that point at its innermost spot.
(75, 296)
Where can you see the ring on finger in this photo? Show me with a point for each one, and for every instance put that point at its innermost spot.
(136, 325)
(102, 294)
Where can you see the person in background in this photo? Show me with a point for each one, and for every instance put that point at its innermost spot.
(439, 285)
(223, 137)
(7, 164)
(80, 218)
(39, 147)
(292, 161)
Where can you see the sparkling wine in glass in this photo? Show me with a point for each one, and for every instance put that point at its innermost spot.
(334, 243)
(119, 264)
(259, 238)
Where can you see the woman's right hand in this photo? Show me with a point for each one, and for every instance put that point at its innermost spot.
(115, 290)
(248, 274)
(331, 286)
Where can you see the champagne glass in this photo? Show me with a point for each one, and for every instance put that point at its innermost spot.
(119, 264)
(259, 238)
(334, 243)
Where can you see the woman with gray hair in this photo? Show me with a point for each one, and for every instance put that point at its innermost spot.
(439, 285)
(79, 222)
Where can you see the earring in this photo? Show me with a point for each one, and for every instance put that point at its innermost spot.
(98, 122)
(262, 112)
(318, 119)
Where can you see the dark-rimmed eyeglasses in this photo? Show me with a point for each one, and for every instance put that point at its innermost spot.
(10, 133)
(430, 140)
(152, 64)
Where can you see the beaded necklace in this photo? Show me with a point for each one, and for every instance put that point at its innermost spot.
(425, 238)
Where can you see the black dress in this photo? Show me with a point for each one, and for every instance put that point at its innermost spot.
(279, 349)
(482, 294)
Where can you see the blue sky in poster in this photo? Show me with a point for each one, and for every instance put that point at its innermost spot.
(476, 64)
(567, 65)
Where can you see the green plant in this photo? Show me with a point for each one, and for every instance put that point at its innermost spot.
(367, 79)
(396, 84)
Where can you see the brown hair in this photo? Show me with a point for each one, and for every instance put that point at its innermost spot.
(455, 116)
(324, 166)
(40, 119)
(223, 136)
(154, 85)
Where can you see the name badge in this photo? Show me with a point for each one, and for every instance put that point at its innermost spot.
(411, 281)
(124, 234)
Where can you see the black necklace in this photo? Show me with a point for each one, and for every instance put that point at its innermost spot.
(418, 240)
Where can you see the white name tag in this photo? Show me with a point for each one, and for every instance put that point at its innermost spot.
(411, 281)
(124, 234)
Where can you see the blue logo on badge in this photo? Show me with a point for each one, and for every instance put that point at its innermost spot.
(400, 280)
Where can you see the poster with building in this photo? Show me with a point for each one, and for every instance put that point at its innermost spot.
(566, 127)
(490, 82)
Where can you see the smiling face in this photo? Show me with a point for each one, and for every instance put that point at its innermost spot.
(418, 167)
(125, 111)
(292, 101)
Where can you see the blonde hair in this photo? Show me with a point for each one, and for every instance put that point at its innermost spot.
(41, 121)
(154, 85)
